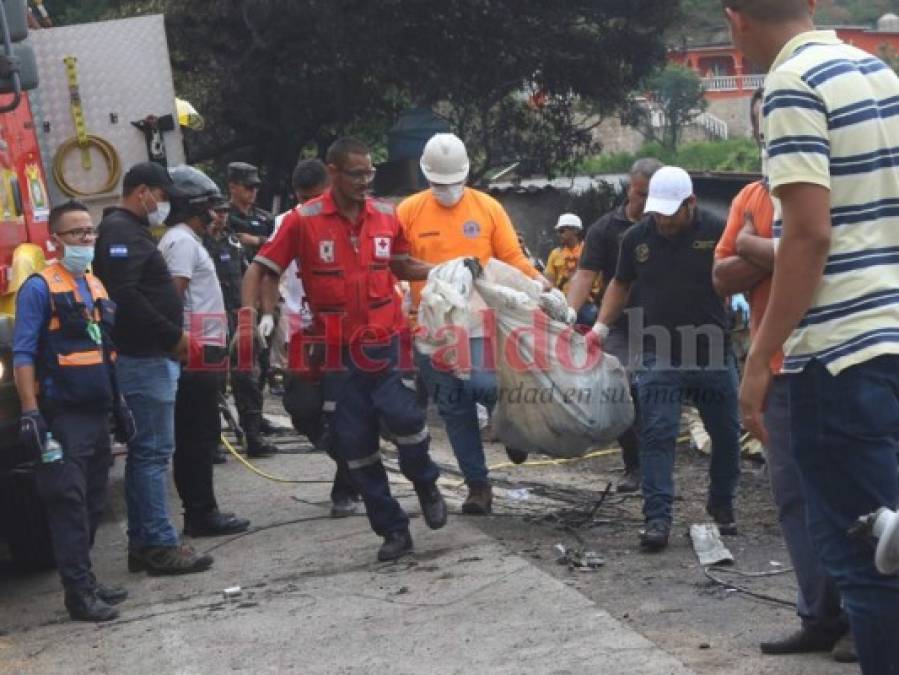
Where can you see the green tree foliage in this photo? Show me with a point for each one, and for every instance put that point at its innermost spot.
(274, 76)
(675, 98)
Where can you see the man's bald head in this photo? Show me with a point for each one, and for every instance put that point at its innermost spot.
(770, 11)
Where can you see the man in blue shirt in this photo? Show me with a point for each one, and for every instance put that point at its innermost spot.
(62, 353)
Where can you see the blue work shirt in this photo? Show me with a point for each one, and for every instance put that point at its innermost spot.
(33, 318)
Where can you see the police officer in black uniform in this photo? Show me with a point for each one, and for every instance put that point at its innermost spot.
(229, 257)
(252, 225)
(67, 386)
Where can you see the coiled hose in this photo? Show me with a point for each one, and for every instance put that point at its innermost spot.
(110, 157)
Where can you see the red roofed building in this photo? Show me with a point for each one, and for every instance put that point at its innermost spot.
(729, 79)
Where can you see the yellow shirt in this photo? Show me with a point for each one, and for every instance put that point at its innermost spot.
(477, 226)
(562, 264)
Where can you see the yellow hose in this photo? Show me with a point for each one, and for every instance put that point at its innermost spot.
(107, 151)
(547, 462)
(258, 471)
(556, 462)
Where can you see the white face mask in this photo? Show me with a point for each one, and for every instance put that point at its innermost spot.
(157, 217)
(448, 195)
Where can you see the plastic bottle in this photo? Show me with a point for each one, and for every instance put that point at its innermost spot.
(53, 452)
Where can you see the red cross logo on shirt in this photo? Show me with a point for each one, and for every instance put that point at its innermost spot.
(382, 247)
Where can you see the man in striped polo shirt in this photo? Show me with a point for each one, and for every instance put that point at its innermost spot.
(831, 121)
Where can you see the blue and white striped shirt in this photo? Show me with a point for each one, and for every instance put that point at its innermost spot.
(831, 118)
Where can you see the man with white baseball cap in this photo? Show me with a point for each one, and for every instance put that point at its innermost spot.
(686, 347)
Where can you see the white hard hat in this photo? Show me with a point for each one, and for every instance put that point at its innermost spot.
(668, 188)
(445, 160)
(569, 220)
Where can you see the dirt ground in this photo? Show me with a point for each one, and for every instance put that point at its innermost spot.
(664, 596)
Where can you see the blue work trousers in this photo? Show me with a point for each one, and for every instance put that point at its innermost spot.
(845, 435)
(662, 391)
(74, 491)
(357, 398)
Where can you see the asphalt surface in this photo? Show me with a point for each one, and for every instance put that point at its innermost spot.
(314, 600)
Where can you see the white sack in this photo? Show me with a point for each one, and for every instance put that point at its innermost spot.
(562, 409)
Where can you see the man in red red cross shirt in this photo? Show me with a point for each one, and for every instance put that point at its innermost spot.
(349, 247)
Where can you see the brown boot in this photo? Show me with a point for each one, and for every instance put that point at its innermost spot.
(159, 560)
(480, 499)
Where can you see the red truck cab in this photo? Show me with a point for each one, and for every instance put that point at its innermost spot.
(24, 238)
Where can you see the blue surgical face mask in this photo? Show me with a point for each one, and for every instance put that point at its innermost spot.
(76, 259)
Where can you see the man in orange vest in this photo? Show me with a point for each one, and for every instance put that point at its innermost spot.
(63, 357)
(444, 222)
(348, 248)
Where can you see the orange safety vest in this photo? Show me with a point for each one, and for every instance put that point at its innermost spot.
(73, 356)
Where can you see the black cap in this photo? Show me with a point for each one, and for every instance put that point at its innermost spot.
(151, 174)
(241, 172)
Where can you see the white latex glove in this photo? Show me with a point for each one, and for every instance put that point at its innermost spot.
(601, 330)
(265, 328)
(571, 317)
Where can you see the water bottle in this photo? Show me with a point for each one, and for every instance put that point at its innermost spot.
(53, 452)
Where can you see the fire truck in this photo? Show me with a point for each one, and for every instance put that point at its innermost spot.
(78, 106)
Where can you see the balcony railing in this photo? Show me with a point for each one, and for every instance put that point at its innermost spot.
(733, 83)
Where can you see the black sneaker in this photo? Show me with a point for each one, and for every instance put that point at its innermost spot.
(395, 546)
(433, 506)
(111, 595)
(87, 606)
(630, 482)
(654, 536)
(803, 641)
(516, 456)
(268, 428)
(257, 447)
(724, 518)
(214, 524)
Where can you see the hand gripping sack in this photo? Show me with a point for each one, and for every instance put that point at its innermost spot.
(557, 393)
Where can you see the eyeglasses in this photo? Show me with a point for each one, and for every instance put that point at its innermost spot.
(360, 175)
(82, 233)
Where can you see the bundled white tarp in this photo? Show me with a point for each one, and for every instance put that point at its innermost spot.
(557, 393)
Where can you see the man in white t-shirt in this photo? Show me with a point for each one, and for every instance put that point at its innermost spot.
(197, 419)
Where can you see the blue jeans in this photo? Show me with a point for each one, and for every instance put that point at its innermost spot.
(818, 601)
(149, 385)
(456, 401)
(587, 315)
(845, 434)
(661, 392)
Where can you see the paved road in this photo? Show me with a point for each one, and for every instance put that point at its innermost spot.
(315, 601)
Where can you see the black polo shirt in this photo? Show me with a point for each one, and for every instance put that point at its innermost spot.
(230, 262)
(676, 292)
(600, 253)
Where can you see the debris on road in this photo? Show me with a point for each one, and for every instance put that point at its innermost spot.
(232, 593)
(708, 545)
(584, 561)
